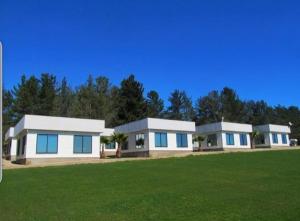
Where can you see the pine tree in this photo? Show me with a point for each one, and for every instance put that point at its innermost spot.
(63, 100)
(181, 106)
(155, 105)
(131, 102)
(26, 97)
(47, 94)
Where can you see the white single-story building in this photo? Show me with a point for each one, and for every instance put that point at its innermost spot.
(152, 135)
(42, 137)
(222, 135)
(271, 135)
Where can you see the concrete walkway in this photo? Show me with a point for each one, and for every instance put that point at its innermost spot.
(60, 162)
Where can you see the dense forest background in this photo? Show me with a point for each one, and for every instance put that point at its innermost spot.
(97, 98)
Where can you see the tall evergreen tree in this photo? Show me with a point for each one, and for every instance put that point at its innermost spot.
(26, 97)
(47, 94)
(155, 105)
(131, 102)
(63, 100)
(209, 108)
(181, 106)
(85, 102)
(231, 105)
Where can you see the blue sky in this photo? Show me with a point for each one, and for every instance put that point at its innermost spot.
(251, 46)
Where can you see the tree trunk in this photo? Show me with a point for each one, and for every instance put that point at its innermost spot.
(118, 153)
(253, 144)
(102, 155)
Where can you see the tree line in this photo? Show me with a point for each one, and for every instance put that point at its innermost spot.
(98, 98)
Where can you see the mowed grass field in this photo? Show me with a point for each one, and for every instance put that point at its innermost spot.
(235, 186)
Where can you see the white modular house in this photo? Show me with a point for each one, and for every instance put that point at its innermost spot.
(271, 135)
(223, 135)
(42, 137)
(152, 135)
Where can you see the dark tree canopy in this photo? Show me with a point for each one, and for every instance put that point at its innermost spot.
(97, 98)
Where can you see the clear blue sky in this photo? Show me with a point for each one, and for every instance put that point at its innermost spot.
(251, 46)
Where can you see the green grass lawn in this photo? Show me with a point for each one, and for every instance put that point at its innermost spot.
(237, 186)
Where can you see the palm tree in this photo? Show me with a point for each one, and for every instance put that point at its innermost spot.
(120, 139)
(253, 136)
(199, 139)
(104, 141)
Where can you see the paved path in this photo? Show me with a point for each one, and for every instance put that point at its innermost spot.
(59, 162)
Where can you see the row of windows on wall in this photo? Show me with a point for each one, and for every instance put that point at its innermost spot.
(275, 138)
(48, 143)
(230, 139)
(161, 139)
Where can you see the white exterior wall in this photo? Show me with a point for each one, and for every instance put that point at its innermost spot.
(237, 141)
(172, 141)
(65, 146)
(13, 148)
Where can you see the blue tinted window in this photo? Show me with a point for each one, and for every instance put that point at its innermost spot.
(52, 143)
(243, 139)
(229, 139)
(41, 143)
(82, 144)
(110, 145)
(275, 138)
(161, 140)
(284, 139)
(181, 140)
(87, 144)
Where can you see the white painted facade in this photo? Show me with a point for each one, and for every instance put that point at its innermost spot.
(268, 131)
(148, 127)
(215, 135)
(65, 129)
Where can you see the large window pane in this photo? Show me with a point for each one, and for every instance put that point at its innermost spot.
(275, 138)
(157, 140)
(229, 139)
(41, 143)
(87, 144)
(164, 140)
(77, 144)
(181, 140)
(243, 139)
(212, 140)
(284, 139)
(139, 141)
(52, 143)
(161, 140)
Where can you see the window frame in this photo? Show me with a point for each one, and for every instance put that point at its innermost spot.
(274, 138)
(47, 152)
(160, 139)
(180, 144)
(243, 139)
(284, 141)
(82, 141)
(138, 137)
(228, 140)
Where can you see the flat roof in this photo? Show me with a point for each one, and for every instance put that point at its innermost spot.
(273, 128)
(157, 124)
(51, 123)
(224, 126)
